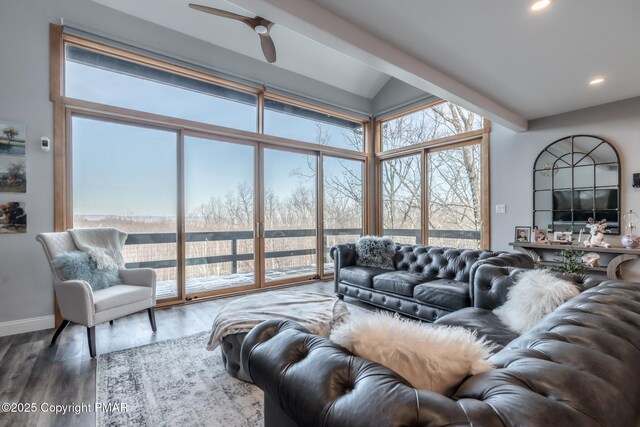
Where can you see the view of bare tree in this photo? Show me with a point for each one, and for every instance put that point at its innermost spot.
(453, 177)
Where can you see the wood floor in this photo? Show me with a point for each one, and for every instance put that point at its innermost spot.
(31, 372)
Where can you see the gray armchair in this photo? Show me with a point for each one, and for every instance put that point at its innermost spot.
(80, 304)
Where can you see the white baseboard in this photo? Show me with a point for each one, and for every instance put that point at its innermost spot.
(26, 325)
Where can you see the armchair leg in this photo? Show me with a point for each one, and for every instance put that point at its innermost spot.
(111, 322)
(59, 331)
(152, 318)
(91, 335)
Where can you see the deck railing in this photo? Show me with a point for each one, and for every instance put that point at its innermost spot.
(234, 236)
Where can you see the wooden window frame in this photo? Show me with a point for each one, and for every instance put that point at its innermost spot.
(480, 136)
(65, 107)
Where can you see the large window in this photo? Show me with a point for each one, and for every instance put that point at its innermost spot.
(290, 214)
(125, 176)
(213, 210)
(290, 121)
(219, 215)
(438, 121)
(343, 199)
(455, 196)
(402, 199)
(96, 77)
(433, 187)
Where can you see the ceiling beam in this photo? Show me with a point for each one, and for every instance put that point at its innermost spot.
(317, 23)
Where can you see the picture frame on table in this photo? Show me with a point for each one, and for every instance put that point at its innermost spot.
(522, 234)
(563, 236)
(541, 235)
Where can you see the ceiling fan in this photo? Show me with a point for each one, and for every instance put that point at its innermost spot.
(258, 24)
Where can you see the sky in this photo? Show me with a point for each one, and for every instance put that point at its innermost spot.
(121, 169)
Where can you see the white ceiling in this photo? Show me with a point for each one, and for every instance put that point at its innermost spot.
(492, 56)
(295, 52)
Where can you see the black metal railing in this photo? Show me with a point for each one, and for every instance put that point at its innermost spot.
(436, 234)
(234, 236)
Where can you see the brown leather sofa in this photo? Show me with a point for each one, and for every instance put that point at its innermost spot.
(577, 367)
(427, 282)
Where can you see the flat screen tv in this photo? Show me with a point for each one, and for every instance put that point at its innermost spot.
(604, 202)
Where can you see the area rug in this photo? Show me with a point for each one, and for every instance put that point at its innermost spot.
(174, 383)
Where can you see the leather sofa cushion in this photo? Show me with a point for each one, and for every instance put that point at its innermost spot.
(439, 262)
(360, 276)
(399, 282)
(444, 293)
(484, 322)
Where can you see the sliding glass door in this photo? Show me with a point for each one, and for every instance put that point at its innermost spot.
(343, 203)
(212, 215)
(290, 214)
(134, 187)
(219, 215)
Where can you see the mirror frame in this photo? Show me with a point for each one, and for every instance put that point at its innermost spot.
(598, 142)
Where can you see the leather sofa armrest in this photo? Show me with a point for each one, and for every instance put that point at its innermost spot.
(503, 259)
(343, 255)
(312, 378)
(491, 284)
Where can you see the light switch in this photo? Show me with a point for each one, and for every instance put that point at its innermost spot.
(500, 209)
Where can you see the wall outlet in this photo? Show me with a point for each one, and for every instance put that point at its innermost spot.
(500, 209)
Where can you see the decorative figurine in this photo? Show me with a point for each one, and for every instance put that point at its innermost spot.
(591, 259)
(596, 230)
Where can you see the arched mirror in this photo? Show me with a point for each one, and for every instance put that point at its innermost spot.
(575, 178)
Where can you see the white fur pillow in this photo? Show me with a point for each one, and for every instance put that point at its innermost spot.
(535, 294)
(431, 357)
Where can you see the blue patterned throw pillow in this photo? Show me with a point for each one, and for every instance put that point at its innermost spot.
(78, 265)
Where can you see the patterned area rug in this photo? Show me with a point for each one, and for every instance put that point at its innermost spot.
(175, 382)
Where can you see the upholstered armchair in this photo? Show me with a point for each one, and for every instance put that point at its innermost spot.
(80, 304)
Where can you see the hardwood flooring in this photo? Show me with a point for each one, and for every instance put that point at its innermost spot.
(31, 372)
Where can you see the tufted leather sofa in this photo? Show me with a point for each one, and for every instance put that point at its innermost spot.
(427, 282)
(577, 367)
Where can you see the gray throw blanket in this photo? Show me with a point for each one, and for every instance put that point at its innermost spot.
(104, 245)
(315, 311)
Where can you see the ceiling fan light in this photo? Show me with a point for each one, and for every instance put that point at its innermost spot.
(539, 5)
(261, 29)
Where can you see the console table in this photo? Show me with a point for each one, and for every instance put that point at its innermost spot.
(610, 258)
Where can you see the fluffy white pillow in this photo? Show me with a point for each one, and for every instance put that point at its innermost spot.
(535, 294)
(430, 357)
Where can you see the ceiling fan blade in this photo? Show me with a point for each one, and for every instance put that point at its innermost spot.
(222, 13)
(268, 48)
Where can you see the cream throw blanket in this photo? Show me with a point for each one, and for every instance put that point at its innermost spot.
(104, 245)
(315, 311)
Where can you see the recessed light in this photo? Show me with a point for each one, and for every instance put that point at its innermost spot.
(539, 5)
(596, 81)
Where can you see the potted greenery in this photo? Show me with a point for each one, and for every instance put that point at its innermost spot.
(571, 261)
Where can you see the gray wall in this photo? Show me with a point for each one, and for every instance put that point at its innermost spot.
(396, 94)
(513, 155)
(25, 282)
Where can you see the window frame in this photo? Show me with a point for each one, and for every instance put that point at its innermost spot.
(66, 107)
(480, 137)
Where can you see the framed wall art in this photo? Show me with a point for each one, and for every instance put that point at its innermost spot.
(13, 165)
